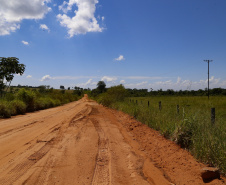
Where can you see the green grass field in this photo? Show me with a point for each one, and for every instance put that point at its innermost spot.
(191, 127)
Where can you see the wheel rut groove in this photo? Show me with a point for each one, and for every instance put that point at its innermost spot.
(102, 168)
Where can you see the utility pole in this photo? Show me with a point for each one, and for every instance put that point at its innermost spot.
(208, 61)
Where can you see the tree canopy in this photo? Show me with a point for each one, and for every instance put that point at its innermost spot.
(8, 67)
(101, 86)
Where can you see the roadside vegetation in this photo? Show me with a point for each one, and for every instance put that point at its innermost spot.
(28, 100)
(186, 120)
(17, 100)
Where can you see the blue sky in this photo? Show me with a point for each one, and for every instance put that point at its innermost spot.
(140, 44)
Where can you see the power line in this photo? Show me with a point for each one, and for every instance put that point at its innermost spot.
(208, 61)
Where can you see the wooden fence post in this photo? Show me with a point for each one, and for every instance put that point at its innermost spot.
(160, 105)
(148, 103)
(213, 116)
(178, 109)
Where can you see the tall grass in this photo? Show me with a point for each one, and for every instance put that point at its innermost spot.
(191, 127)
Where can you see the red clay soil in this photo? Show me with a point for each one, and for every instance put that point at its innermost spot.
(86, 143)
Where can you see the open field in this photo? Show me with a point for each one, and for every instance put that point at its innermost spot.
(85, 143)
(190, 125)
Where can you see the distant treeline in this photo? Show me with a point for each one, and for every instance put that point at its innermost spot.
(169, 92)
(134, 92)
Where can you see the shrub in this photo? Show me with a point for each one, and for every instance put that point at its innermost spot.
(28, 97)
(18, 107)
(44, 103)
(5, 109)
(113, 94)
(105, 99)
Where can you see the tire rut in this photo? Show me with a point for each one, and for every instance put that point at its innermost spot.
(102, 174)
(21, 168)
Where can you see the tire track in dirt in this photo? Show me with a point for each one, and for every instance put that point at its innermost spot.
(102, 174)
(68, 130)
(22, 167)
(41, 146)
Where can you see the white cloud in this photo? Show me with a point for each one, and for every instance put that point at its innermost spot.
(88, 82)
(142, 83)
(144, 77)
(25, 42)
(46, 78)
(44, 27)
(109, 79)
(102, 18)
(73, 77)
(28, 76)
(12, 12)
(121, 57)
(84, 20)
(122, 81)
(178, 80)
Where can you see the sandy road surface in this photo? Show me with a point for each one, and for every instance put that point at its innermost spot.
(85, 143)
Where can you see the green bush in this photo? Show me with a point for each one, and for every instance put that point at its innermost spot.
(113, 94)
(46, 102)
(105, 99)
(28, 100)
(18, 107)
(28, 97)
(5, 111)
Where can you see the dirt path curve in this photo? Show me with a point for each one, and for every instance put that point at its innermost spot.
(85, 143)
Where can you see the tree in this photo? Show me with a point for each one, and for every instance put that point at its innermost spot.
(62, 87)
(101, 86)
(8, 67)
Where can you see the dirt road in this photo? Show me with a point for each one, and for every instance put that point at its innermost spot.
(86, 143)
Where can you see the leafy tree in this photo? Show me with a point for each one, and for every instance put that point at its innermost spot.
(113, 94)
(62, 87)
(101, 86)
(8, 67)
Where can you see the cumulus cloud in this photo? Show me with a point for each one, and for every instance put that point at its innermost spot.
(12, 12)
(109, 79)
(83, 21)
(28, 76)
(46, 78)
(178, 80)
(88, 83)
(121, 57)
(44, 27)
(25, 42)
(122, 81)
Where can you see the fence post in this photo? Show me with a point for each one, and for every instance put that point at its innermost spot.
(178, 109)
(213, 116)
(160, 105)
(148, 103)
